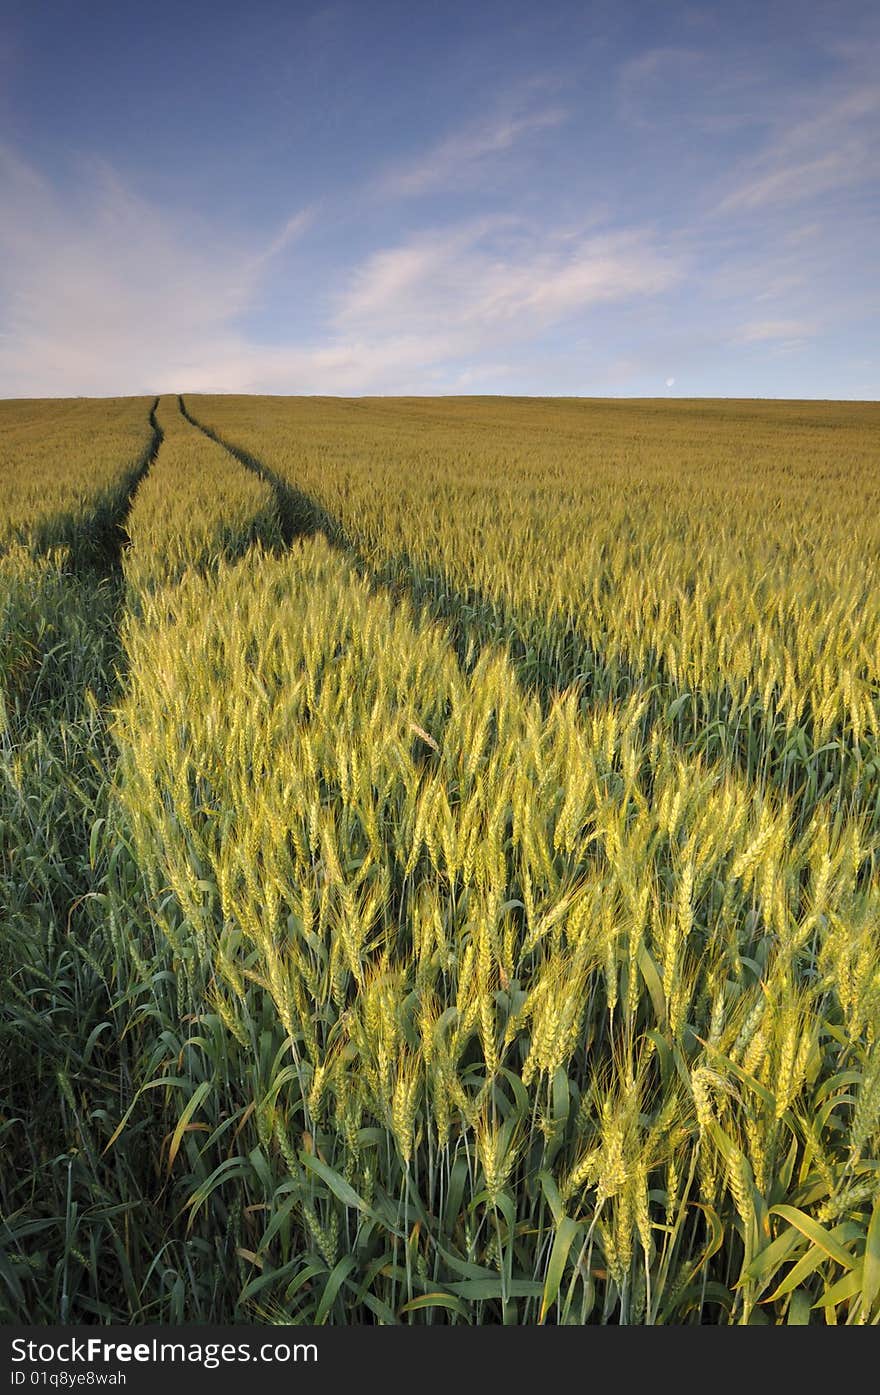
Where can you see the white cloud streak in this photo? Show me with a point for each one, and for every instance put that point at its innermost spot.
(493, 278)
(764, 331)
(463, 157)
(835, 146)
(292, 231)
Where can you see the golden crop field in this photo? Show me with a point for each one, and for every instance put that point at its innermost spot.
(440, 862)
(67, 467)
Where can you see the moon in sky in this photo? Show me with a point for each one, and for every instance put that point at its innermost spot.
(670, 382)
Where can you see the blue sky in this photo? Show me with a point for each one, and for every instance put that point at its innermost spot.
(566, 198)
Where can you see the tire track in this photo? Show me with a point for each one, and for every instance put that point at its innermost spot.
(63, 975)
(298, 514)
(152, 451)
(99, 546)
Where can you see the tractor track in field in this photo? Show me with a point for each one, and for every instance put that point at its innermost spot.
(302, 516)
(298, 514)
(96, 544)
(68, 969)
(153, 449)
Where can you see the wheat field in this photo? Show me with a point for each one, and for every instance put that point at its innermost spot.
(440, 871)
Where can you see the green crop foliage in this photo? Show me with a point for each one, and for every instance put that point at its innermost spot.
(442, 870)
(717, 555)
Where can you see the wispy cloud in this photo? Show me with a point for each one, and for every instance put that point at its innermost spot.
(500, 277)
(784, 183)
(779, 137)
(833, 144)
(764, 331)
(672, 88)
(103, 292)
(292, 231)
(464, 156)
